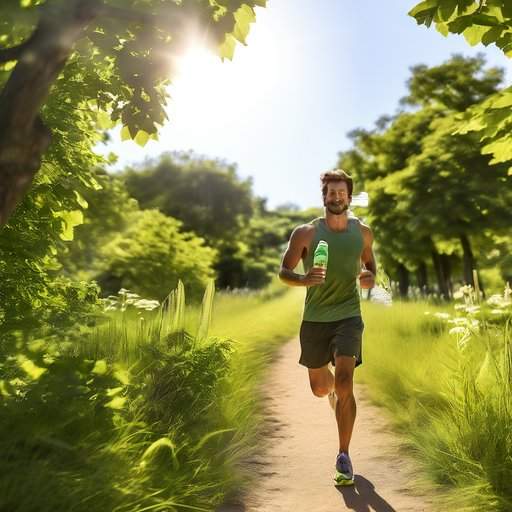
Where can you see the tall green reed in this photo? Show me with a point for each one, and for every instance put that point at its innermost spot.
(449, 392)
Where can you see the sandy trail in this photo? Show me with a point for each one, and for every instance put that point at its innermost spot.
(296, 464)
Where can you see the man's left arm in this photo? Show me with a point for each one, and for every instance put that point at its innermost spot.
(367, 276)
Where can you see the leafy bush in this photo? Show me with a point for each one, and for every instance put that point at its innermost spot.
(152, 254)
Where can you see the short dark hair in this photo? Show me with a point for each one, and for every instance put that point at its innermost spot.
(336, 175)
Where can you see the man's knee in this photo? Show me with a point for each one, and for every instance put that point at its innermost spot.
(320, 379)
(343, 384)
(319, 390)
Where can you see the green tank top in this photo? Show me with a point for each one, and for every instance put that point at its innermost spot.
(338, 296)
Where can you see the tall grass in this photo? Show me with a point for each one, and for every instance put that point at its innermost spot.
(452, 401)
(152, 410)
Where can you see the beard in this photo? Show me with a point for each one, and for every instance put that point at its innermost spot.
(336, 208)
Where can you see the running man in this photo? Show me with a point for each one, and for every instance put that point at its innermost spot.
(332, 327)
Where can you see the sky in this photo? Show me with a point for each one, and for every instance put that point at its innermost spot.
(312, 71)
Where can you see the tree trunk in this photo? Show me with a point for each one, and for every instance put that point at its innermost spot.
(441, 281)
(403, 281)
(422, 278)
(469, 261)
(23, 137)
(447, 273)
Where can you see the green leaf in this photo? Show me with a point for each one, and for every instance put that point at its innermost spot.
(71, 220)
(30, 368)
(122, 375)
(496, 120)
(104, 121)
(114, 391)
(473, 34)
(500, 149)
(446, 10)
(492, 35)
(125, 133)
(485, 20)
(100, 367)
(504, 100)
(81, 201)
(141, 138)
(227, 49)
(495, 11)
(244, 16)
(3, 387)
(460, 24)
(442, 28)
(116, 403)
(427, 5)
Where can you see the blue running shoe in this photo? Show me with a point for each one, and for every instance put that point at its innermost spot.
(344, 473)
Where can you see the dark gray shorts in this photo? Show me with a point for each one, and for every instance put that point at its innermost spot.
(321, 342)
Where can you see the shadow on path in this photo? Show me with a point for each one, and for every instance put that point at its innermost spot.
(361, 497)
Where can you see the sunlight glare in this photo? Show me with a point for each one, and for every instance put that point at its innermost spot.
(207, 91)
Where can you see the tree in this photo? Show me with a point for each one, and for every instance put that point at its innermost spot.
(453, 191)
(117, 55)
(454, 85)
(377, 155)
(107, 213)
(151, 255)
(212, 201)
(428, 188)
(487, 22)
(206, 195)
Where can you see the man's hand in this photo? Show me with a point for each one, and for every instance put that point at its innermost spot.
(314, 277)
(367, 279)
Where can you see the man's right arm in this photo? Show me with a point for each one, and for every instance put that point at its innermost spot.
(299, 241)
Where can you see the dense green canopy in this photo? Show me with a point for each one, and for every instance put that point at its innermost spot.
(434, 197)
(110, 60)
(487, 22)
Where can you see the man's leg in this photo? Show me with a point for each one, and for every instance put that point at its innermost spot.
(321, 381)
(346, 406)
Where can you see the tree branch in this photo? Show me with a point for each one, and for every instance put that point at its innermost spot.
(14, 53)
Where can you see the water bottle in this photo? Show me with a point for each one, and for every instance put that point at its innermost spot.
(321, 255)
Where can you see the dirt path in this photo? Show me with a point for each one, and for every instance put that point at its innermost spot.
(296, 466)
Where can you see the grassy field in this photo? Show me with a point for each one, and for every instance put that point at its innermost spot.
(449, 397)
(139, 414)
(147, 412)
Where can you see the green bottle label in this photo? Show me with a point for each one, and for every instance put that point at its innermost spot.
(321, 254)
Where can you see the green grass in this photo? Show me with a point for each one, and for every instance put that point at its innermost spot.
(139, 414)
(452, 407)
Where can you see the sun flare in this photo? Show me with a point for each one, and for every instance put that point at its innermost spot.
(205, 88)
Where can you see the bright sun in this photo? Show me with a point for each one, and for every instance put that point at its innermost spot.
(206, 88)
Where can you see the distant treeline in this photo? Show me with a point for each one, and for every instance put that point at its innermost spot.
(180, 216)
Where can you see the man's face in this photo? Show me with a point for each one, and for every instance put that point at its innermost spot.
(337, 199)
